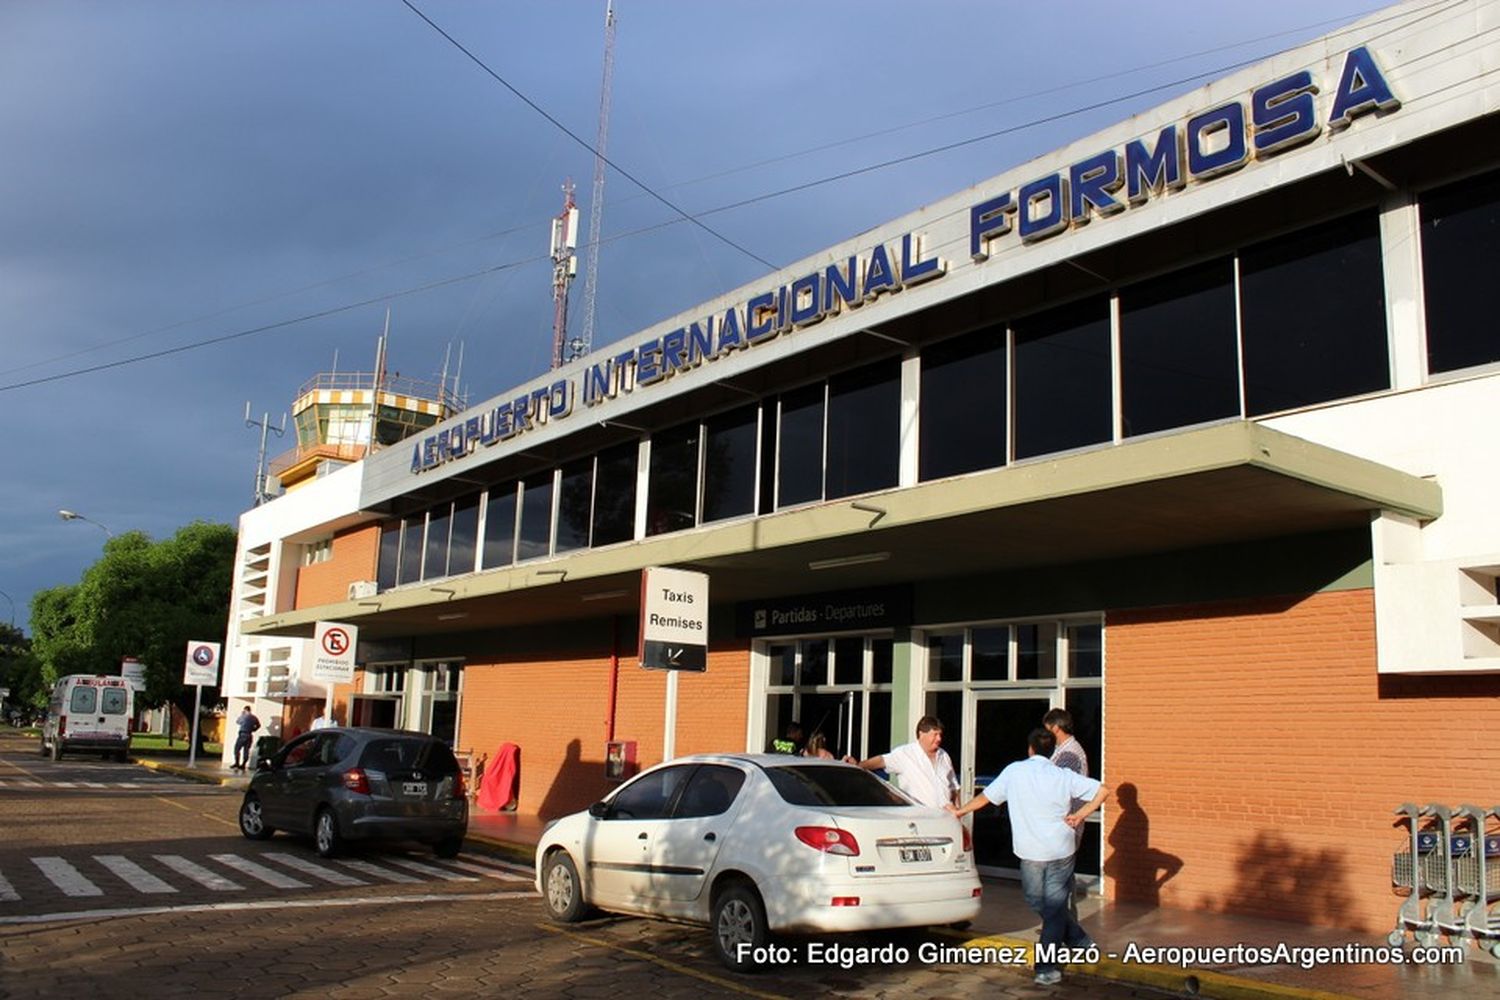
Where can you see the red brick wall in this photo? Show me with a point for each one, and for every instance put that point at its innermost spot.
(556, 711)
(354, 554)
(1257, 757)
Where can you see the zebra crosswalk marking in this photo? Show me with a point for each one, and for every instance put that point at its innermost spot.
(196, 872)
(67, 878)
(315, 870)
(269, 876)
(442, 873)
(133, 874)
(489, 872)
(376, 871)
(509, 866)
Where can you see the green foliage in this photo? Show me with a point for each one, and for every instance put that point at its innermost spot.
(21, 670)
(144, 599)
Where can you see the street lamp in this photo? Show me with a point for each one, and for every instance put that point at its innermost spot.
(68, 515)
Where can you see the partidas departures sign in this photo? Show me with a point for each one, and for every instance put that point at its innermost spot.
(1277, 116)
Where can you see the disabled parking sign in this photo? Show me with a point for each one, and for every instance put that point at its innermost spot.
(202, 664)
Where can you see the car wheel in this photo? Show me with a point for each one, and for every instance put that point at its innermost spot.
(448, 848)
(739, 928)
(562, 892)
(253, 820)
(57, 750)
(41, 747)
(326, 833)
(121, 756)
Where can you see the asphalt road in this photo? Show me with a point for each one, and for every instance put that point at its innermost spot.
(119, 881)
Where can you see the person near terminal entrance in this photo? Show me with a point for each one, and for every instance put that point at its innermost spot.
(1069, 753)
(1042, 821)
(923, 767)
(791, 742)
(247, 724)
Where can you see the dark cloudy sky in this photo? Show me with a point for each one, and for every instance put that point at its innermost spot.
(176, 171)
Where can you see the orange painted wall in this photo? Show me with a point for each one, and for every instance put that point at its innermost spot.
(1257, 758)
(354, 555)
(556, 712)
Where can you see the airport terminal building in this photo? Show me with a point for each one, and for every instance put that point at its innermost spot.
(1188, 427)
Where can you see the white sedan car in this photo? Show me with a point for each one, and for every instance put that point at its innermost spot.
(755, 844)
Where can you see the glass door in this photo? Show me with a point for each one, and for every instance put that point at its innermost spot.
(994, 736)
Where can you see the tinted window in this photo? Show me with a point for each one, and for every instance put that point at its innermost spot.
(964, 404)
(465, 535)
(112, 701)
(1062, 379)
(575, 505)
(672, 491)
(614, 495)
(535, 537)
(945, 657)
(390, 554)
(649, 795)
(832, 786)
(766, 501)
(729, 464)
(864, 429)
(435, 563)
(83, 701)
(1460, 258)
(1312, 309)
(1179, 354)
(799, 468)
(500, 526)
(989, 654)
(299, 753)
(710, 791)
(411, 549)
(394, 754)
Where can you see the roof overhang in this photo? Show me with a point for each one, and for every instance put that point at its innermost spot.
(1229, 483)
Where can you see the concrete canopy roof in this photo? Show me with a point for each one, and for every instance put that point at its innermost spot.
(1232, 482)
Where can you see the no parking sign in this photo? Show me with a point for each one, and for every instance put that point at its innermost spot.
(333, 652)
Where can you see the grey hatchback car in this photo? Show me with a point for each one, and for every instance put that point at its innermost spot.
(342, 784)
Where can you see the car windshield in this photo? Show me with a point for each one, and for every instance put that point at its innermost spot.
(832, 786)
(395, 754)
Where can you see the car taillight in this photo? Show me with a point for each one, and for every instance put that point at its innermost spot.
(460, 790)
(968, 839)
(62, 725)
(829, 840)
(356, 781)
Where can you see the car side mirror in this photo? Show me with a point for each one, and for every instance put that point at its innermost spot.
(265, 764)
(599, 810)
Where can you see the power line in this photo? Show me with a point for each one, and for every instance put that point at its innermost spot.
(584, 143)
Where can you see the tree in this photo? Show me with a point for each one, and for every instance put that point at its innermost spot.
(144, 599)
(20, 672)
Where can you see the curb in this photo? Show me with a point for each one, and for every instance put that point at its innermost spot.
(512, 850)
(191, 774)
(1182, 981)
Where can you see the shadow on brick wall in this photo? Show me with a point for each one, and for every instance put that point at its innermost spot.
(579, 784)
(1276, 879)
(1138, 869)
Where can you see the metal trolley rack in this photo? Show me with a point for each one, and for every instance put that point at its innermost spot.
(1450, 879)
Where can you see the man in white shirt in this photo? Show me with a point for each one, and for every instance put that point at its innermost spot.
(1042, 821)
(923, 768)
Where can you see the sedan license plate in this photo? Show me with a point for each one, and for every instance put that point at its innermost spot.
(418, 788)
(916, 854)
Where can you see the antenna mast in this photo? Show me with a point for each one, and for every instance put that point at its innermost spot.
(585, 343)
(564, 269)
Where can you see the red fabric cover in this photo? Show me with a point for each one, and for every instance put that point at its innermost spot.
(498, 787)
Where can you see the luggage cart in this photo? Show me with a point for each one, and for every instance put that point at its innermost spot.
(1417, 873)
(1476, 876)
(1445, 912)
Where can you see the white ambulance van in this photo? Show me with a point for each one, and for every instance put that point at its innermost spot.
(89, 712)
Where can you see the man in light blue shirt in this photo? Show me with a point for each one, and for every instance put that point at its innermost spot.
(1042, 823)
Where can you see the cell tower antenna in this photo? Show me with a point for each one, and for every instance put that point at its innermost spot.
(564, 269)
(585, 343)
